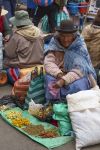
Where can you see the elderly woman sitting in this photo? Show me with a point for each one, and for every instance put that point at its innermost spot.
(67, 63)
(25, 47)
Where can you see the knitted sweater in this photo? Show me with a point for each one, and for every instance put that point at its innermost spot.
(53, 64)
(72, 60)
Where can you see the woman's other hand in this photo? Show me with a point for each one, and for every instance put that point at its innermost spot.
(59, 75)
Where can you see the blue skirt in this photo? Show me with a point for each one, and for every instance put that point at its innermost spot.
(78, 85)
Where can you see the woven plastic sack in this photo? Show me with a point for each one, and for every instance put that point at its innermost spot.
(60, 16)
(84, 110)
(21, 87)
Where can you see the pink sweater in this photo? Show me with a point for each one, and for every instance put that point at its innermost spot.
(54, 63)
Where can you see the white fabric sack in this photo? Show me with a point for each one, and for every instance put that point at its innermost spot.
(84, 110)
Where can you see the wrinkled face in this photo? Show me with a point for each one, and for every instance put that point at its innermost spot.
(66, 39)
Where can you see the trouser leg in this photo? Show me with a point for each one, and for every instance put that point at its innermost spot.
(52, 12)
(40, 12)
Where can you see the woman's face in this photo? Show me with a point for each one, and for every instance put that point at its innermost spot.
(66, 39)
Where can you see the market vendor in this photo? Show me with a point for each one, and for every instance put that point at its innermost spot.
(67, 63)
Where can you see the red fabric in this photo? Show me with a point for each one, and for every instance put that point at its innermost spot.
(54, 122)
(1, 24)
(83, 9)
(13, 73)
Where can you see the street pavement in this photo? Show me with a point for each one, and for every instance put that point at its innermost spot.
(11, 139)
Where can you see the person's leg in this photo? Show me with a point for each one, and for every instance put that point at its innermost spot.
(52, 11)
(7, 6)
(31, 12)
(40, 12)
(13, 6)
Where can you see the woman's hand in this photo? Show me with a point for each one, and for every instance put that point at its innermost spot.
(6, 38)
(59, 75)
(60, 83)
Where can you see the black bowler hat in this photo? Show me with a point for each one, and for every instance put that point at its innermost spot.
(66, 26)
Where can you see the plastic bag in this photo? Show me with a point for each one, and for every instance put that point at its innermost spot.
(33, 107)
(62, 117)
(42, 112)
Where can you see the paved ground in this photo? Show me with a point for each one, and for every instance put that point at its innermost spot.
(11, 139)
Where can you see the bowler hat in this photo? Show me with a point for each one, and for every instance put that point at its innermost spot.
(66, 26)
(21, 19)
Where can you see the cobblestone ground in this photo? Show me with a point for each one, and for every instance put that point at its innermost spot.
(11, 139)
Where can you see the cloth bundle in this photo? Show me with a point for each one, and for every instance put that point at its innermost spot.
(13, 74)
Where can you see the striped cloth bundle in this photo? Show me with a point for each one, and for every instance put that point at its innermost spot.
(36, 91)
(43, 2)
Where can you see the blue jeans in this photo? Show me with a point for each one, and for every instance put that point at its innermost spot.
(10, 6)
